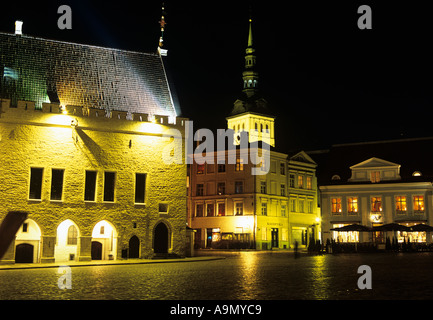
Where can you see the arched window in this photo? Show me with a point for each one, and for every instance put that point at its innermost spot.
(261, 127)
(267, 128)
(256, 126)
(72, 235)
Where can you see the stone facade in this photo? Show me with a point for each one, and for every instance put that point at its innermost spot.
(46, 140)
(83, 130)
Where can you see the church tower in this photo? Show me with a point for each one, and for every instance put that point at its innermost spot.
(250, 112)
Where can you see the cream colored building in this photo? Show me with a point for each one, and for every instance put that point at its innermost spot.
(377, 183)
(81, 141)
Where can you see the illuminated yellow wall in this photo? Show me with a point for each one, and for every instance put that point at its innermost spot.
(46, 139)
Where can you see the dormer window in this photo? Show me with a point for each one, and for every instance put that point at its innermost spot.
(375, 176)
(416, 174)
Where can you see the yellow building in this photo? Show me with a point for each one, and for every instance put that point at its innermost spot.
(229, 206)
(82, 132)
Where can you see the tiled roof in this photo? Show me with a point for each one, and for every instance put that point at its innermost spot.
(42, 70)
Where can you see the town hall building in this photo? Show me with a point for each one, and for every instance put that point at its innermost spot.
(82, 131)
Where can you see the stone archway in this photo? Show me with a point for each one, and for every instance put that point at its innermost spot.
(134, 247)
(28, 242)
(161, 237)
(104, 241)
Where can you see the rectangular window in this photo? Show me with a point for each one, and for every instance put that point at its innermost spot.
(239, 208)
(400, 204)
(336, 205)
(239, 186)
(263, 187)
(291, 180)
(375, 176)
(56, 184)
(264, 209)
(376, 204)
(221, 167)
(200, 168)
(221, 209)
(210, 168)
(283, 190)
(283, 210)
(199, 191)
(293, 205)
(301, 205)
(273, 167)
(352, 204)
(109, 186)
(140, 187)
(283, 168)
(310, 206)
(36, 183)
(199, 210)
(418, 203)
(300, 182)
(239, 164)
(90, 186)
(221, 188)
(210, 210)
(309, 183)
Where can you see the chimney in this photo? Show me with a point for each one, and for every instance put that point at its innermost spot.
(18, 27)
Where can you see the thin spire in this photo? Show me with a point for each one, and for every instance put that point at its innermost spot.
(162, 23)
(250, 35)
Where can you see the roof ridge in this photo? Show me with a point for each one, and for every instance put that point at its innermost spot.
(79, 44)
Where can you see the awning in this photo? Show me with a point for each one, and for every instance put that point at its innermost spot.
(352, 227)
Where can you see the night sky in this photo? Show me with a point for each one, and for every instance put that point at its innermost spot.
(326, 80)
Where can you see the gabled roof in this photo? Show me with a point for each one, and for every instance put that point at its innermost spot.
(303, 158)
(83, 75)
(374, 163)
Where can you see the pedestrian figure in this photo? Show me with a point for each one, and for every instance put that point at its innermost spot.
(296, 249)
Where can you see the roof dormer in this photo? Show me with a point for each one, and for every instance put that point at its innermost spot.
(375, 170)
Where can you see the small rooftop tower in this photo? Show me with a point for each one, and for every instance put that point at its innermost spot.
(19, 27)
